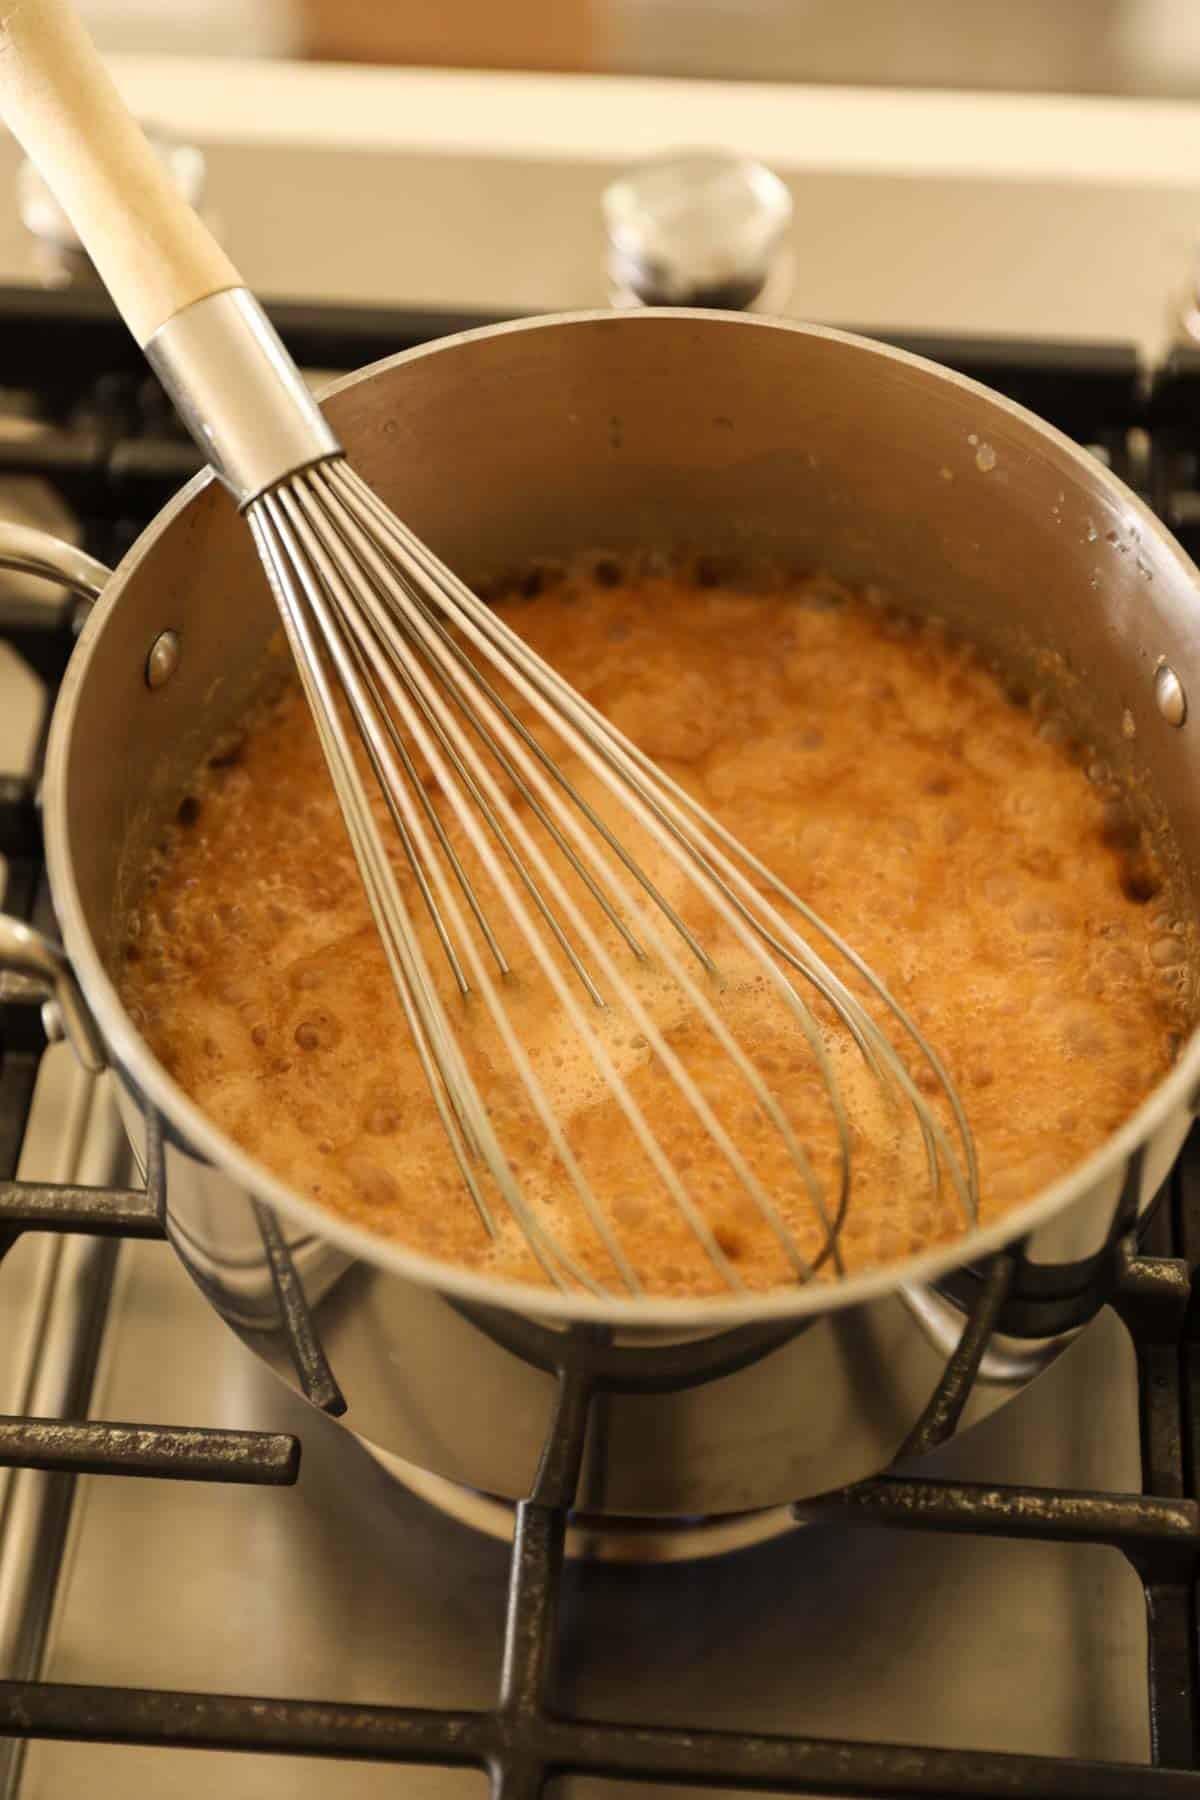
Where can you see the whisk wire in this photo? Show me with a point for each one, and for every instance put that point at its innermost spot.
(303, 604)
(329, 589)
(434, 821)
(550, 767)
(357, 587)
(720, 1138)
(599, 1052)
(702, 1005)
(368, 848)
(678, 811)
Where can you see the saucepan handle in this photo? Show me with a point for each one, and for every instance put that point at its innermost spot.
(34, 552)
(31, 967)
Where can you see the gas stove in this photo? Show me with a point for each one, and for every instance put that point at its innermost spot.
(203, 1580)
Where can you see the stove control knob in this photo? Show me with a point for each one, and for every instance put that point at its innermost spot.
(699, 228)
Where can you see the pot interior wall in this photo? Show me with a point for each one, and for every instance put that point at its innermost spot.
(624, 431)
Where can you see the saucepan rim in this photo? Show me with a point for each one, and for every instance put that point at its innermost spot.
(1177, 1090)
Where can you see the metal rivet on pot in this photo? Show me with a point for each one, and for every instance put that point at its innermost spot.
(52, 1022)
(1169, 694)
(163, 659)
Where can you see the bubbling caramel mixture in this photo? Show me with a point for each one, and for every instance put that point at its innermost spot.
(977, 855)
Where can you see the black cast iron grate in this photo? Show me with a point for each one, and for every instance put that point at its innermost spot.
(113, 455)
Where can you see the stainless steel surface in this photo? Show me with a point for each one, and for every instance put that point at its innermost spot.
(1007, 553)
(239, 393)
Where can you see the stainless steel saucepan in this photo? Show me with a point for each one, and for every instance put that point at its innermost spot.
(609, 432)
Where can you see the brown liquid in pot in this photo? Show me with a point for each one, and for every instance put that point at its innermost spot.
(953, 836)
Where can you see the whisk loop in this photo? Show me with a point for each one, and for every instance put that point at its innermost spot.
(397, 653)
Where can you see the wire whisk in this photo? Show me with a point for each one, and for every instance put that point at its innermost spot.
(397, 654)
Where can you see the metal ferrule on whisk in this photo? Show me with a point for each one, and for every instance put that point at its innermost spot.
(238, 392)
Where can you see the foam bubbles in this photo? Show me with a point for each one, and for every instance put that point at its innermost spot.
(1007, 896)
